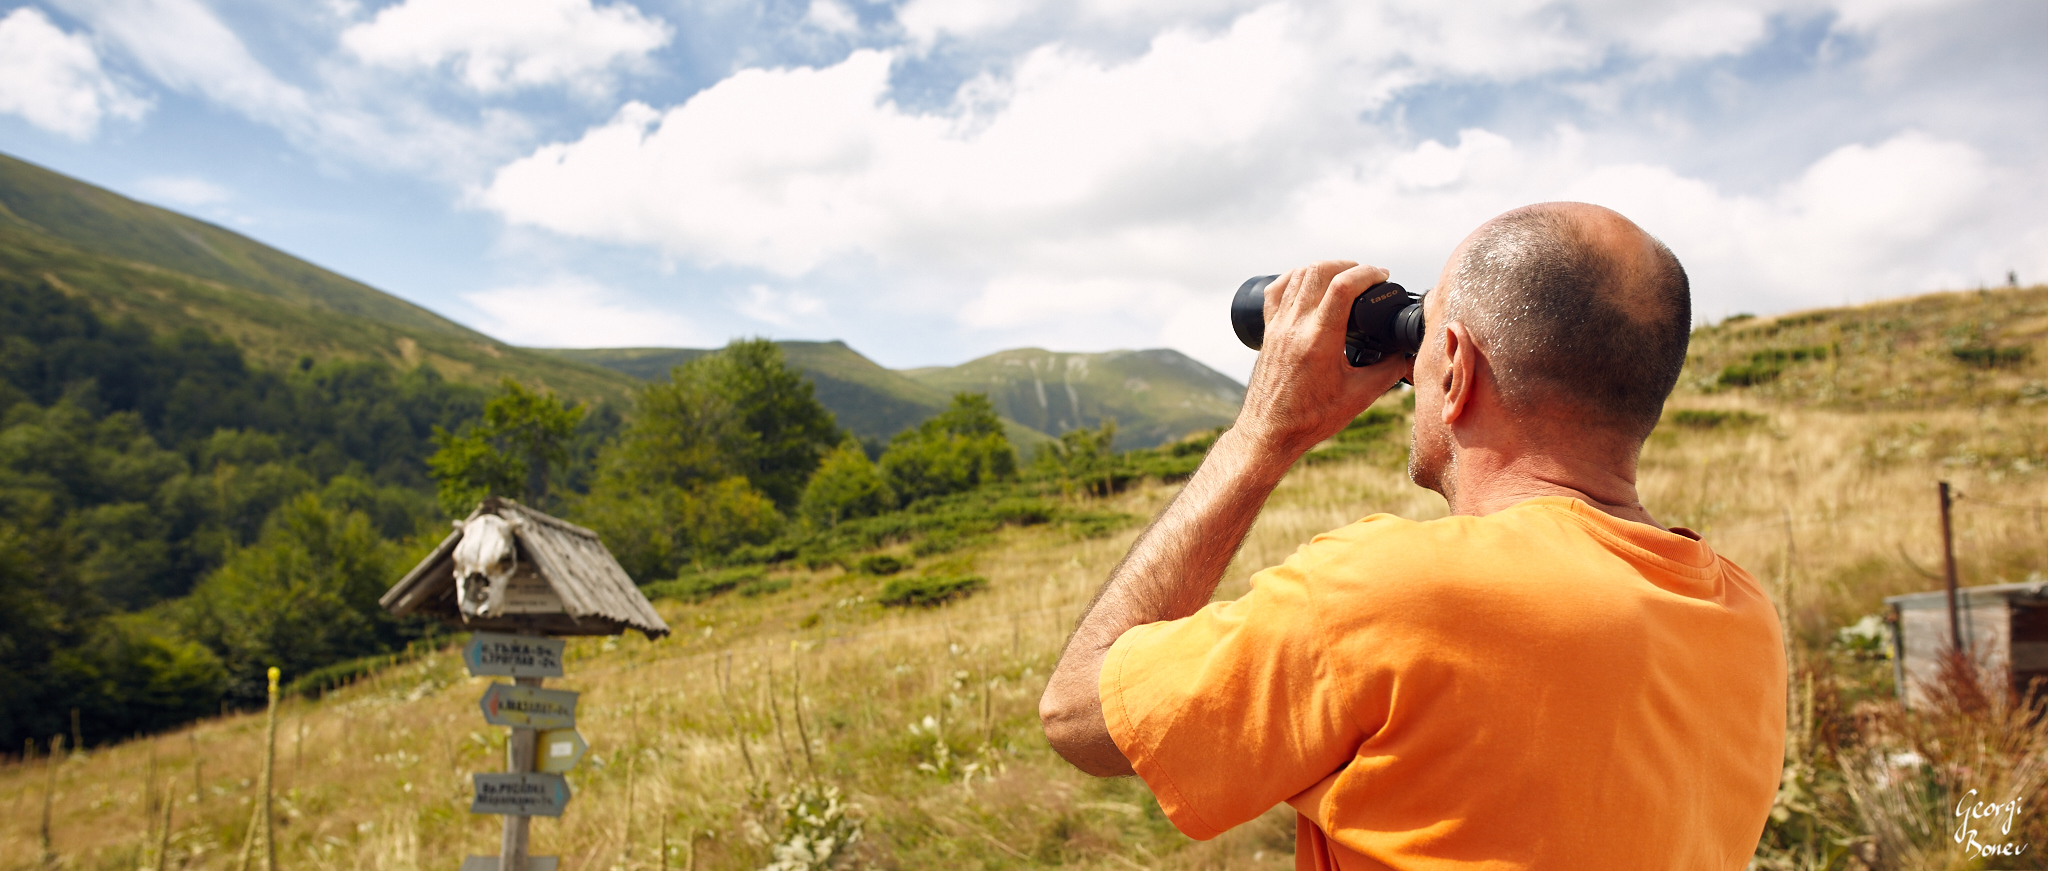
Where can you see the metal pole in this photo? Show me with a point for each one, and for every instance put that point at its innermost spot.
(1948, 556)
(520, 747)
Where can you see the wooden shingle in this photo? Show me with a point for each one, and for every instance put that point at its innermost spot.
(597, 597)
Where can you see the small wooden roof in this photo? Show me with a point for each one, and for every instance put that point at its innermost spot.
(1985, 595)
(598, 598)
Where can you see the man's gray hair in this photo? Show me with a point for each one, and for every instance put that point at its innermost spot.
(1568, 326)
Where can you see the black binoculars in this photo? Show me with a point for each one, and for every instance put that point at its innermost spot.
(1385, 319)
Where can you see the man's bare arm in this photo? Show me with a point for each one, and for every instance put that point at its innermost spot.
(1301, 393)
(1169, 573)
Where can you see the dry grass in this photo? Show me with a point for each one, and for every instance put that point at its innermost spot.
(1832, 506)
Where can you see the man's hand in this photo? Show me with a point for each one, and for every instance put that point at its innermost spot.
(1302, 391)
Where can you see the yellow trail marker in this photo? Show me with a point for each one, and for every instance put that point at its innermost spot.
(558, 750)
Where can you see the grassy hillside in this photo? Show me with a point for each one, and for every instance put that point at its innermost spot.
(1156, 396)
(172, 271)
(925, 718)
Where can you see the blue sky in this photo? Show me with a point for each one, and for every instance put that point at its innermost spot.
(934, 181)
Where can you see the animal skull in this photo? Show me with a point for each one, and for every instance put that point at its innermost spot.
(485, 559)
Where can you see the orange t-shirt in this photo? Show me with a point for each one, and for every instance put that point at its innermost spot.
(1544, 687)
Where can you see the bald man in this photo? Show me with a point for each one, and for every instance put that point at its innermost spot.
(1546, 679)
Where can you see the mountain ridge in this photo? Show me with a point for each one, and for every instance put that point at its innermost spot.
(173, 271)
(1156, 395)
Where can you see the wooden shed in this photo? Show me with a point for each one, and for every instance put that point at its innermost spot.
(566, 582)
(2004, 629)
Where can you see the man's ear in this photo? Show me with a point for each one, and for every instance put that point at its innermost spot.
(1461, 368)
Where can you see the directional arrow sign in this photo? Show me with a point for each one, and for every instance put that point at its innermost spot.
(490, 654)
(528, 707)
(559, 750)
(526, 795)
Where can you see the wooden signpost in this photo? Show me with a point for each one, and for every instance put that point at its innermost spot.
(561, 582)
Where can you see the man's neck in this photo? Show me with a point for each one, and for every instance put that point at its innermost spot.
(1484, 481)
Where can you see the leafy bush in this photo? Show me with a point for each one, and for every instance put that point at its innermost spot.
(929, 591)
(956, 450)
(1083, 460)
(846, 485)
(763, 586)
(1763, 367)
(698, 586)
(1696, 418)
(655, 527)
(1991, 356)
(1376, 432)
(880, 564)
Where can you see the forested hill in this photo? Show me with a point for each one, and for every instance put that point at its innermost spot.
(173, 272)
(872, 402)
(1155, 396)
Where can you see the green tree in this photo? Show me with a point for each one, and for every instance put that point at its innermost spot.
(303, 596)
(1083, 459)
(846, 485)
(673, 488)
(523, 438)
(958, 449)
(781, 431)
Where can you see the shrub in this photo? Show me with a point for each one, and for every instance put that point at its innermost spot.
(961, 448)
(929, 591)
(880, 564)
(1990, 356)
(698, 586)
(1082, 459)
(763, 586)
(1376, 432)
(1694, 418)
(656, 527)
(1765, 366)
(846, 485)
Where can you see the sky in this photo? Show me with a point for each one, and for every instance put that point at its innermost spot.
(935, 181)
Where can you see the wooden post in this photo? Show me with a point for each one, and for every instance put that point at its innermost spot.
(198, 778)
(1948, 557)
(49, 857)
(148, 805)
(519, 749)
(259, 816)
(163, 840)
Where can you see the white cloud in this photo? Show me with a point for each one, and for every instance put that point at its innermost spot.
(182, 190)
(54, 79)
(187, 48)
(926, 20)
(783, 169)
(1704, 31)
(500, 45)
(783, 308)
(832, 16)
(575, 312)
(1113, 203)
(183, 45)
